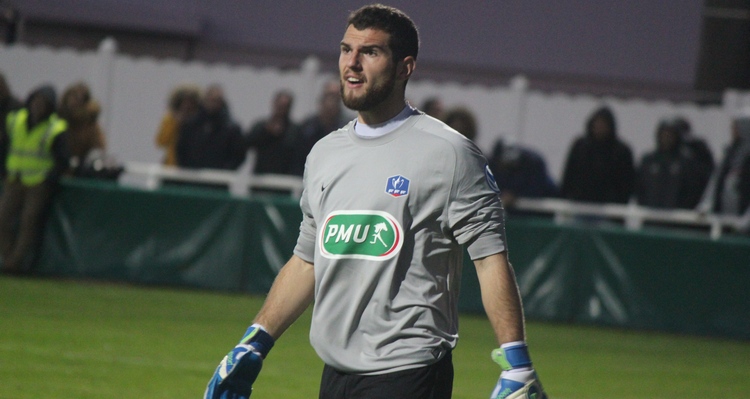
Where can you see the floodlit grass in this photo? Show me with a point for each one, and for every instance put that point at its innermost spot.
(72, 339)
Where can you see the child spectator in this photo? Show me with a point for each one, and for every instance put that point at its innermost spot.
(84, 133)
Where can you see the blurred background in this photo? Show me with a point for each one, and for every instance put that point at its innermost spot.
(526, 80)
(647, 60)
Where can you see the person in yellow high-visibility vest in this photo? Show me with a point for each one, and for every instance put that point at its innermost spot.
(35, 157)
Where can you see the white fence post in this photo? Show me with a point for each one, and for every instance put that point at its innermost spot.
(309, 70)
(102, 77)
(519, 85)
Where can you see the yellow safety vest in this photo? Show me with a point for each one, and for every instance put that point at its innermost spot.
(30, 153)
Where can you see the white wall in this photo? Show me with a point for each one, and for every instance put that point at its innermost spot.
(134, 92)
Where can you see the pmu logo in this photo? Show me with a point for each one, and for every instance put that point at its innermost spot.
(372, 235)
(397, 186)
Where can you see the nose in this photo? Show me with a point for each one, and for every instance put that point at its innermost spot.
(351, 59)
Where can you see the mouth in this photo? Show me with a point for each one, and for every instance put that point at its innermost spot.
(354, 81)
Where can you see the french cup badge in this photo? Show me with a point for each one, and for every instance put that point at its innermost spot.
(397, 186)
(491, 179)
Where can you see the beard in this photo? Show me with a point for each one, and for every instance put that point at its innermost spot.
(373, 97)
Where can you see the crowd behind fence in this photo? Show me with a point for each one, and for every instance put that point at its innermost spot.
(132, 94)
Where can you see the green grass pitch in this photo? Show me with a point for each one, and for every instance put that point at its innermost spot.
(73, 339)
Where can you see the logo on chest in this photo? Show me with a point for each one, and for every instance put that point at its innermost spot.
(373, 235)
(397, 186)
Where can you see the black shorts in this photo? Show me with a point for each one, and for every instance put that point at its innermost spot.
(429, 382)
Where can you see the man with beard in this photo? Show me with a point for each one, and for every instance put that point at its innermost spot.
(389, 202)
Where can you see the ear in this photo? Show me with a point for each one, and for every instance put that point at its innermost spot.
(406, 67)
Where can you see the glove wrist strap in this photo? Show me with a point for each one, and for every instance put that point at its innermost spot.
(512, 357)
(257, 336)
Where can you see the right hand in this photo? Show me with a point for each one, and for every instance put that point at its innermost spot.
(234, 377)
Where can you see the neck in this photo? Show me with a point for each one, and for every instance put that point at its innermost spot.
(384, 111)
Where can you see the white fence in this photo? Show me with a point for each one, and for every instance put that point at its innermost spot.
(133, 92)
(152, 176)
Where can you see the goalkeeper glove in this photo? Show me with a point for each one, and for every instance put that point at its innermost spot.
(518, 379)
(236, 374)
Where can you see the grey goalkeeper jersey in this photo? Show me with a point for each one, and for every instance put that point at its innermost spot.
(384, 221)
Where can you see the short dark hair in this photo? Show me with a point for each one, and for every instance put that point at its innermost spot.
(404, 38)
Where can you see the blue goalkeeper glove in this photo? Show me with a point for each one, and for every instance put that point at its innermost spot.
(518, 379)
(236, 374)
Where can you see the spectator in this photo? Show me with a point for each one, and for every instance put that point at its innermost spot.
(275, 139)
(329, 117)
(433, 106)
(599, 167)
(700, 150)
(520, 172)
(462, 120)
(8, 103)
(697, 145)
(728, 192)
(211, 139)
(35, 159)
(670, 176)
(85, 136)
(184, 103)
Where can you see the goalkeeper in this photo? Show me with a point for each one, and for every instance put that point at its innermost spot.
(390, 202)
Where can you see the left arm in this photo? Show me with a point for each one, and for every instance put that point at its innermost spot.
(502, 302)
(500, 297)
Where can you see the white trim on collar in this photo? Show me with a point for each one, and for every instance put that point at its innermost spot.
(381, 129)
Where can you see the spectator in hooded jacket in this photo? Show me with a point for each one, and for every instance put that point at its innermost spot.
(599, 166)
(35, 158)
(670, 176)
(211, 139)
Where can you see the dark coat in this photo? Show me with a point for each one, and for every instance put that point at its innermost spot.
(521, 171)
(275, 154)
(210, 141)
(599, 170)
(670, 180)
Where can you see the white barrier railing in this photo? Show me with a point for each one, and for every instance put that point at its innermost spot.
(632, 215)
(151, 176)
